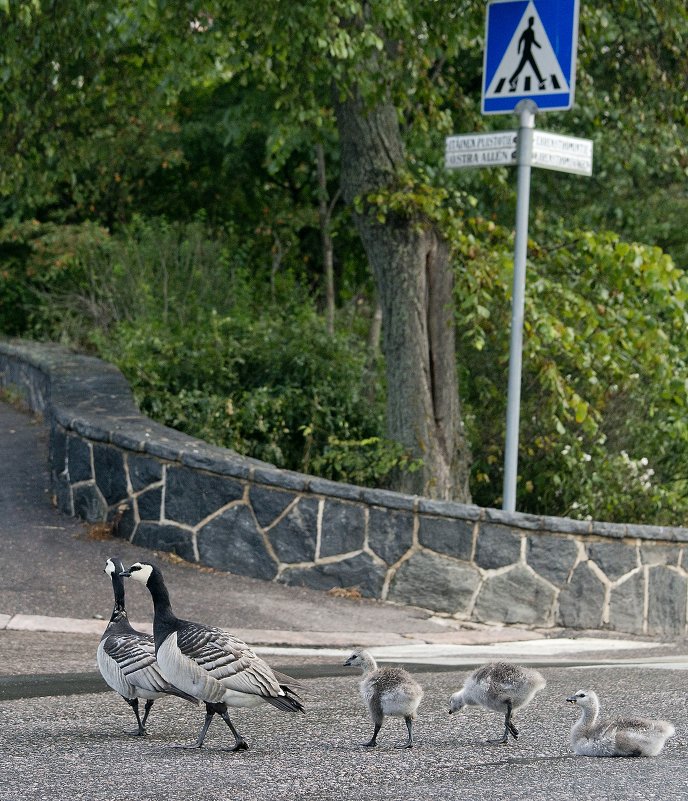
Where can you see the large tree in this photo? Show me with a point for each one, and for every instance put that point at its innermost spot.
(370, 70)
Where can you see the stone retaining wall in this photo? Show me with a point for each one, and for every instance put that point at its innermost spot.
(167, 491)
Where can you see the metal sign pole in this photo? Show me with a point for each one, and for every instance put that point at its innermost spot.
(526, 110)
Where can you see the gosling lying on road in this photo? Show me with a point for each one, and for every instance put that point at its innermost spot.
(619, 737)
(387, 691)
(499, 687)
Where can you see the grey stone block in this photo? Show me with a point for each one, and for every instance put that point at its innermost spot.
(666, 612)
(390, 533)
(165, 537)
(63, 495)
(660, 554)
(268, 504)
(143, 471)
(191, 497)
(615, 559)
(498, 546)
(359, 572)
(626, 605)
(462, 511)
(434, 582)
(284, 479)
(343, 528)
(551, 557)
(516, 520)
(516, 596)
(108, 465)
(612, 530)
(89, 504)
(582, 600)
(449, 536)
(294, 537)
(123, 520)
(149, 504)
(78, 460)
(232, 542)
(58, 449)
(334, 489)
(388, 499)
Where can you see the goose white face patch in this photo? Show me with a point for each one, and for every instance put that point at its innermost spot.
(109, 567)
(141, 571)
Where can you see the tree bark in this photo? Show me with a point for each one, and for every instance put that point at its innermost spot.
(414, 278)
(324, 216)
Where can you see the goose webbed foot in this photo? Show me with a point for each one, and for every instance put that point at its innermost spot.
(373, 740)
(240, 743)
(499, 740)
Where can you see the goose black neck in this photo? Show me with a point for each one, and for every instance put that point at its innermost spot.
(164, 619)
(118, 611)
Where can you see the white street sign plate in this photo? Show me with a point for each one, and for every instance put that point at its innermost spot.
(563, 153)
(530, 54)
(496, 149)
(550, 151)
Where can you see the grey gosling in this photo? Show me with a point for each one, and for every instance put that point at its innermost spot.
(210, 664)
(615, 738)
(126, 657)
(499, 687)
(387, 691)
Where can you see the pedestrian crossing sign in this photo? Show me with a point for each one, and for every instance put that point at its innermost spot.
(530, 54)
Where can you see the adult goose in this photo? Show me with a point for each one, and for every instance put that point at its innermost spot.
(612, 738)
(387, 691)
(499, 687)
(126, 657)
(211, 664)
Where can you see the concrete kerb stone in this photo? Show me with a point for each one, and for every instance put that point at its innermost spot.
(589, 571)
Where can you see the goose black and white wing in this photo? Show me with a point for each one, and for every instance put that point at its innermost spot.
(228, 660)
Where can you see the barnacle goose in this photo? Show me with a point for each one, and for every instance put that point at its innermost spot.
(126, 657)
(499, 687)
(619, 737)
(386, 691)
(211, 664)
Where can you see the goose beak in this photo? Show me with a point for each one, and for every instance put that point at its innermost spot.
(126, 573)
(347, 663)
(571, 699)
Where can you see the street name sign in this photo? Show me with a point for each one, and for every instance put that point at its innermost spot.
(498, 149)
(530, 54)
(563, 153)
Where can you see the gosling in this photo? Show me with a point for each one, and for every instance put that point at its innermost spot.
(622, 737)
(499, 687)
(387, 691)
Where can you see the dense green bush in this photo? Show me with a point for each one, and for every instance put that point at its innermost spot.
(604, 393)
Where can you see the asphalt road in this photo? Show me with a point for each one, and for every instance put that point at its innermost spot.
(77, 747)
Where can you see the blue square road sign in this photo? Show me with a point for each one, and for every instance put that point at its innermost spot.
(530, 54)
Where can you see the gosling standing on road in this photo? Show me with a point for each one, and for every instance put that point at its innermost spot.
(499, 687)
(387, 691)
(619, 737)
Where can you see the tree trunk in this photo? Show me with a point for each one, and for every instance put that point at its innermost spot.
(324, 216)
(414, 279)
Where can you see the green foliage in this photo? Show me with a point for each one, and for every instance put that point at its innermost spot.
(356, 461)
(605, 375)
(40, 264)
